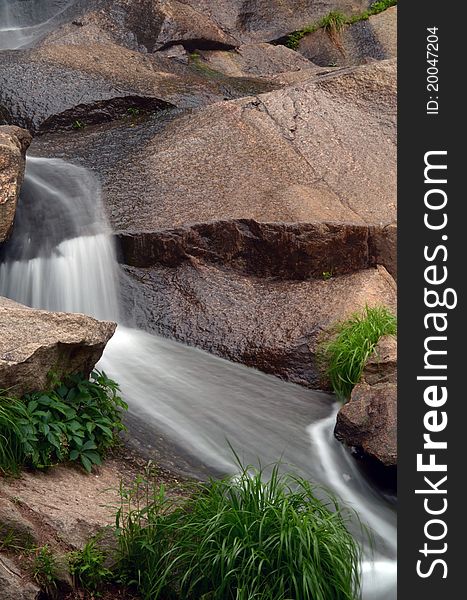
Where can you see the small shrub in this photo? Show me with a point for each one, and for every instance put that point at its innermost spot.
(238, 538)
(44, 569)
(334, 22)
(76, 421)
(88, 567)
(344, 356)
(78, 124)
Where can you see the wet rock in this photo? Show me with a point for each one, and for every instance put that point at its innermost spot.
(13, 583)
(383, 246)
(286, 251)
(155, 24)
(205, 306)
(372, 39)
(368, 422)
(78, 85)
(257, 60)
(35, 342)
(13, 145)
(323, 150)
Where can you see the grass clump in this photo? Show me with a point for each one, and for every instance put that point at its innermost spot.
(344, 356)
(88, 567)
(238, 538)
(335, 21)
(78, 421)
(45, 568)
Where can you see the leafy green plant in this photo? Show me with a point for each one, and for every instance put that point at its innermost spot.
(327, 275)
(238, 538)
(76, 421)
(78, 124)
(344, 356)
(44, 568)
(133, 111)
(88, 567)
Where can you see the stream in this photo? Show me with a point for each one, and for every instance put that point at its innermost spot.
(185, 405)
(61, 256)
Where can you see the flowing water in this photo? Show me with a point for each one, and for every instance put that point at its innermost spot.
(24, 21)
(61, 256)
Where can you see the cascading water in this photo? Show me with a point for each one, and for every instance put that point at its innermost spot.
(61, 257)
(24, 21)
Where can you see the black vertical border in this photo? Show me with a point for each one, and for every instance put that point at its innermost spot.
(419, 133)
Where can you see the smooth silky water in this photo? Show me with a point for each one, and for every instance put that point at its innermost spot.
(22, 22)
(61, 257)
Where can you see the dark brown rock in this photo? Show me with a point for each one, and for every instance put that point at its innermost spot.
(287, 251)
(13, 145)
(371, 39)
(383, 247)
(35, 342)
(368, 421)
(271, 324)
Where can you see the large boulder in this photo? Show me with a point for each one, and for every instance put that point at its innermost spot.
(323, 150)
(272, 324)
(78, 85)
(368, 422)
(256, 60)
(273, 206)
(150, 25)
(34, 343)
(371, 39)
(13, 145)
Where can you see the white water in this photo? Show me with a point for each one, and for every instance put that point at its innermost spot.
(62, 255)
(198, 400)
(24, 21)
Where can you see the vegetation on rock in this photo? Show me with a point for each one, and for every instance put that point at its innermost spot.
(77, 421)
(335, 21)
(88, 567)
(240, 537)
(343, 356)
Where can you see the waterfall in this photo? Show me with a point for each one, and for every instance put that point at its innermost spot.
(24, 21)
(61, 257)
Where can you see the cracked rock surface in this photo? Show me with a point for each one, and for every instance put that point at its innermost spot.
(322, 150)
